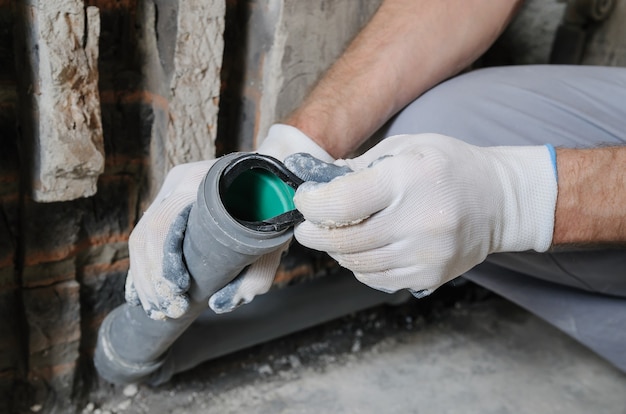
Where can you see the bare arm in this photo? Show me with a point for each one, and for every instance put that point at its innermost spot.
(591, 204)
(408, 47)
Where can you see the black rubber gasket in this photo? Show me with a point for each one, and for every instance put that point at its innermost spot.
(250, 161)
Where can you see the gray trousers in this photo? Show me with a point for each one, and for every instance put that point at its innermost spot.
(583, 291)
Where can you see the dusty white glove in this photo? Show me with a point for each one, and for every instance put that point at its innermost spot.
(281, 141)
(419, 210)
(158, 278)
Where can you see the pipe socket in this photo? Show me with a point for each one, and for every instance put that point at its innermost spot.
(216, 247)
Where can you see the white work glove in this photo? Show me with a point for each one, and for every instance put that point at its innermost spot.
(281, 141)
(420, 210)
(158, 278)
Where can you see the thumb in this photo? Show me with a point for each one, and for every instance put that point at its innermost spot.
(309, 168)
(348, 199)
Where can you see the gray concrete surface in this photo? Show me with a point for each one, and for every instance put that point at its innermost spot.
(471, 356)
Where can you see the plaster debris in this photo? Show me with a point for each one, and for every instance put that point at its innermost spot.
(124, 405)
(356, 346)
(294, 361)
(131, 390)
(89, 408)
(36, 408)
(265, 369)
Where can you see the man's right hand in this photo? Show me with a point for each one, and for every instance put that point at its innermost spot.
(419, 210)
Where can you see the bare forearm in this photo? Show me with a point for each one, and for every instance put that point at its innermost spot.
(591, 203)
(408, 47)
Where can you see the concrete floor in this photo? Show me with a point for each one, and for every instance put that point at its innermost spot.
(467, 356)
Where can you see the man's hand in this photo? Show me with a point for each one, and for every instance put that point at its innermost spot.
(158, 278)
(281, 141)
(419, 210)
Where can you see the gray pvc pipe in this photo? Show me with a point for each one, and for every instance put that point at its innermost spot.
(131, 346)
(275, 314)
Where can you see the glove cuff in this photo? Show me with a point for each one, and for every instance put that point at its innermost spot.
(528, 180)
(283, 140)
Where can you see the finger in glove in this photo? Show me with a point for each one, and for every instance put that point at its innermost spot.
(173, 302)
(174, 269)
(256, 279)
(346, 200)
(130, 293)
(309, 168)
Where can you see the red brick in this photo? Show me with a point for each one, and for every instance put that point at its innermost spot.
(53, 315)
(7, 385)
(59, 358)
(133, 97)
(51, 388)
(102, 289)
(7, 279)
(49, 273)
(10, 346)
(50, 231)
(105, 5)
(7, 249)
(50, 372)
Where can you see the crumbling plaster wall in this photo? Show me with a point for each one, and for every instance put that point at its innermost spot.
(276, 51)
(57, 58)
(607, 44)
(301, 52)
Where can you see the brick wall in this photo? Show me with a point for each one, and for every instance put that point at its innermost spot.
(12, 363)
(63, 263)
